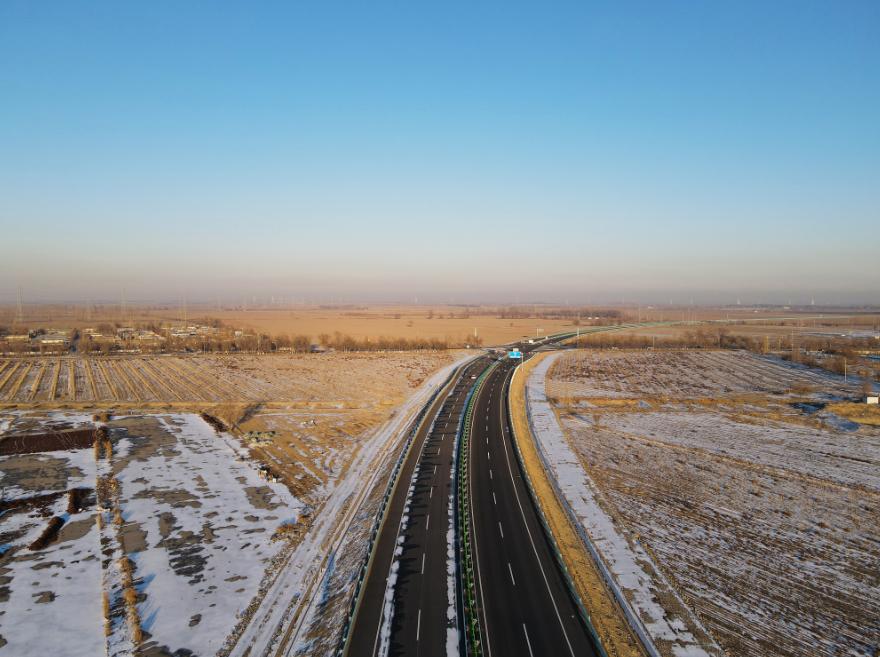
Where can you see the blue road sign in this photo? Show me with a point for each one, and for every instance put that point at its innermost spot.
(514, 354)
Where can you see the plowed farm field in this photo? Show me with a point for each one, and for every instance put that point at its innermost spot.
(758, 501)
(248, 378)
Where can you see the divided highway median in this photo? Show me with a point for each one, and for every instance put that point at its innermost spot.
(467, 592)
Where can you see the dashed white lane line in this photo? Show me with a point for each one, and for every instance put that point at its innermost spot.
(510, 570)
(500, 529)
(428, 523)
(528, 643)
(494, 501)
(419, 627)
(423, 563)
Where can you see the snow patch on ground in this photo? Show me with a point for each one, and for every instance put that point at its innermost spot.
(54, 595)
(234, 544)
(196, 523)
(834, 456)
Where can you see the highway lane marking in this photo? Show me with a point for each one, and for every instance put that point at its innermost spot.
(423, 563)
(428, 523)
(494, 501)
(528, 643)
(431, 492)
(490, 473)
(500, 529)
(416, 468)
(419, 626)
(510, 570)
(534, 549)
(480, 578)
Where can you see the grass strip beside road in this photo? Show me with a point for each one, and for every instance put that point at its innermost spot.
(605, 615)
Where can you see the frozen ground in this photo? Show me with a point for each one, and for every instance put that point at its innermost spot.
(762, 512)
(656, 612)
(681, 375)
(346, 379)
(196, 522)
(304, 610)
(337, 420)
(50, 595)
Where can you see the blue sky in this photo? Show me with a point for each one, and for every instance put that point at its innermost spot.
(543, 150)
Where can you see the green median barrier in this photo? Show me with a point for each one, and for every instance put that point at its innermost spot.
(468, 597)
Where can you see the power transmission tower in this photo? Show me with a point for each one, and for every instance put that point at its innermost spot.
(19, 311)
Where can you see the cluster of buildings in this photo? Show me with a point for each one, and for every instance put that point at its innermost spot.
(37, 340)
(193, 331)
(104, 337)
(123, 334)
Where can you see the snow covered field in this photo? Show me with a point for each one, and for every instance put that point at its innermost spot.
(195, 522)
(656, 614)
(761, 509)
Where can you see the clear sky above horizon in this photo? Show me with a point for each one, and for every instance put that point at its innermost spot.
(466, 151)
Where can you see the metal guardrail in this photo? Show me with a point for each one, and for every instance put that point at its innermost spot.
(633, 620)
(381, 512)
(469, 618)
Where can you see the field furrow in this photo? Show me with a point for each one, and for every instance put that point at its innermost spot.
(8, 375)
(35, 386)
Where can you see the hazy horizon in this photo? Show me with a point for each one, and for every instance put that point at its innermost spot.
(451, 154)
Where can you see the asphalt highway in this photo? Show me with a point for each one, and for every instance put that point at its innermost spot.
(525, 607)
(418, 610)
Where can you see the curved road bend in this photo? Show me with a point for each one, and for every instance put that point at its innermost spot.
(419, 619)
(526, 608)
